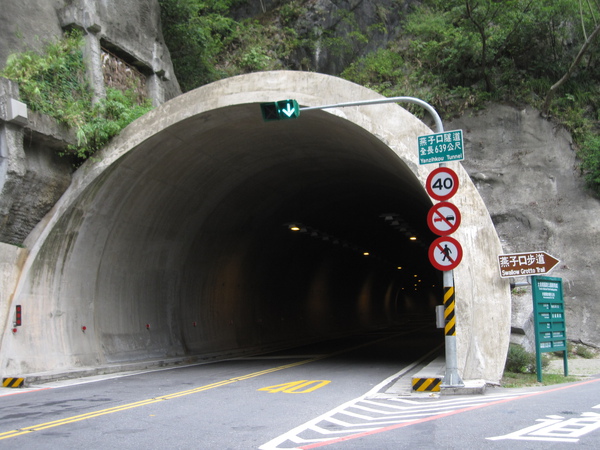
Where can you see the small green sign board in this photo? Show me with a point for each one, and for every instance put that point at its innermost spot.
(549, 319)
(280, 110)
(441, 147)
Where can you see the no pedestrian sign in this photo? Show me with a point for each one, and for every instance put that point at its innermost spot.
(441, 147)
(445, 253)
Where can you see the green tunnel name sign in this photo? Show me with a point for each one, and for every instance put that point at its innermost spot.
(549, 319)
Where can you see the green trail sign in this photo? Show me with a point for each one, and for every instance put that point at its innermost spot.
(549, 319)
(441, 147)
(280, 110)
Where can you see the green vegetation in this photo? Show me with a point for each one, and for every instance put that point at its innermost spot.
(517, 380)
(206, 44)
(520, 368)
(454, 54)
(457, 54)
(583, 351)
(54, 83)
(520, 361)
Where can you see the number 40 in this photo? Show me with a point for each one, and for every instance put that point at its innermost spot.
(443, 183)
(296, 387)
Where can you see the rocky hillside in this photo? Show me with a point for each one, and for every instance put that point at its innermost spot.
(526, 170)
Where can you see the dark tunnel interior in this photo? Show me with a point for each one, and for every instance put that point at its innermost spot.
(223, 234)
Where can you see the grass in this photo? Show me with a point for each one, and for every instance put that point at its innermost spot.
(517, 380)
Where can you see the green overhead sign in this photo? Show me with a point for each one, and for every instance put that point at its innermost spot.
(280, 110)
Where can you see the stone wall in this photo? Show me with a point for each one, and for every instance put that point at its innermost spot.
(132, 30)
(32, 177)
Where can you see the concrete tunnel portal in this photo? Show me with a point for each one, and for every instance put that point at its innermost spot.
(181, 239)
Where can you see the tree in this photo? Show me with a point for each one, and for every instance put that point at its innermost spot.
(582, 51)
(195, 32)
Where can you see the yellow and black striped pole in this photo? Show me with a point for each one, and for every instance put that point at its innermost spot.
(451, 377)
(449, 317)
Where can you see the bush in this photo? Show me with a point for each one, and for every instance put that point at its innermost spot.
(584, 352)
(590, 161)
(106, 119)
(520, 361)
(54, 83)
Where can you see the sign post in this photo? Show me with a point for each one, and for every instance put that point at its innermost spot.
(445, 253)
(549, 320)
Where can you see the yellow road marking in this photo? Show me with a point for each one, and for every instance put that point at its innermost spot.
(293, 386)
(103, 412)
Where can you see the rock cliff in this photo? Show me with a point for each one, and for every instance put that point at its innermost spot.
(526, 170)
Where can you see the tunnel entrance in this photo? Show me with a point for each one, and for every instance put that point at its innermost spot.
(320, 230)
(203, 230)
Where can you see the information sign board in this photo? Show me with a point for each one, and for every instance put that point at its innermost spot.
(526, 264)
(441, 147)
(549, 319)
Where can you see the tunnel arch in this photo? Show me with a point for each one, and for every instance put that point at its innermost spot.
(175, 240)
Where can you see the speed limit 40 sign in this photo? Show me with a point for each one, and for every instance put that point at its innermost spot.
(442, 183)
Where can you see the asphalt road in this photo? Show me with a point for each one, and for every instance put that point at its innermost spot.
(552, 417)
(235, 404)
(330, 395)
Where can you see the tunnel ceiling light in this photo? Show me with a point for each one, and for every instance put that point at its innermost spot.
(413, 238)
(326, 237)
(296, 226)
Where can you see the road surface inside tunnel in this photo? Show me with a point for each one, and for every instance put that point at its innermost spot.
(237, 404)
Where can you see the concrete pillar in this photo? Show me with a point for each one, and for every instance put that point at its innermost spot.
(93, 62)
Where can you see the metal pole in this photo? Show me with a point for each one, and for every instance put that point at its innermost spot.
(451, 377)
(416, 101)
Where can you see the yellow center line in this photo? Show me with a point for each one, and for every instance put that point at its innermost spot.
(103, 412)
